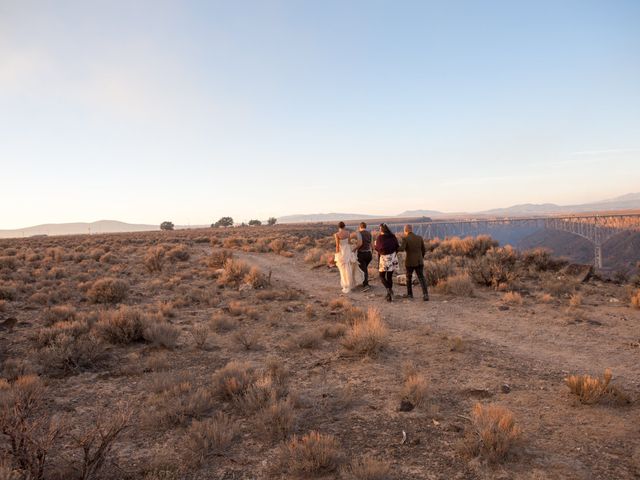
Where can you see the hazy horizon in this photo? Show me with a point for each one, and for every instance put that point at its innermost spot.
(190, 111)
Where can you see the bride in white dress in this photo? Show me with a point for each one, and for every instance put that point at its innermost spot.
(347, 260)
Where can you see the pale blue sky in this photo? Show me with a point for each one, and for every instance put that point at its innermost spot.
(190, 110)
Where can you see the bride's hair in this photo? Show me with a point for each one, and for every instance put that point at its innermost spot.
(341, 225)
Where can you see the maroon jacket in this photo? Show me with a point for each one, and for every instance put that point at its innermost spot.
(387, 244)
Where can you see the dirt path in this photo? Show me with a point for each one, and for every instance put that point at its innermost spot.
(537, 335)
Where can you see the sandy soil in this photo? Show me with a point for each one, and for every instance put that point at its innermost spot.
(531, 348)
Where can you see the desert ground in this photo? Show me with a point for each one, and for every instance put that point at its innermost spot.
(231, 354)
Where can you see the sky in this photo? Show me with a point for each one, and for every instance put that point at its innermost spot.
(190, 110)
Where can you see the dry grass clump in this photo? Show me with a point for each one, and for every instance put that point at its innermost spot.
(334, 331)
(541, 260)
(247, 339)
(233, 273)
(591, 390)
(8, 292)
(497, 267)
(308, 339)
(414, 389)
(59, 313)
(635, 299)
(218, 258)
(221, 323)
(177, 401)
(179, 253)
(314, 256)
(459, 285)
(200, 334)
(512, 298)
(546, 298)
(209, 437)
(313, 454)
(277, 246)
(367, 336)
(123, 326)
(154, 259)
(108, 290)
(493, 433)
(277, 418)
(30, 434)
(367, 468)
(161, 333)
(257, 279)
(575, 301)
(233, 380)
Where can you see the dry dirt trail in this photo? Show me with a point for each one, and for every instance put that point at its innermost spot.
(534, 334)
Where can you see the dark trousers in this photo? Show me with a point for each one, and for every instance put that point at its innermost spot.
(364, 259)
(387, 279)
(423, 283)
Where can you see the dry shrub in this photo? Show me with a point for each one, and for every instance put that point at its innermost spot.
(233, 380)
(233, 273)
(339, 304)
(179, 253)
(314, 453)
(161, 333)
(257, 279)
(277, 419)
(541, 260)
(368, 468)
(367, 336)
(178, 401)
(575, 300)
(591, 390)
(123, 326)
(8, 263)
(438, 270)
(247, 339)
(315, 256)
(546, 298)
(308, 339)
(558, 287)
(108, 290)
(200, 334)
(493, 432)
(220, 323)
(458, 285)
(68, 353)
(30, 433)
(154, 259)
(415, 389)
(512, 298)
(96, 442)
(334, 331)
(635, 299)
(3, 305)
(206, 438)
(496, 268)
(59, 313)
(218, 258)
(277, 245)
(457, 345)
(17, 367)
(8, 292)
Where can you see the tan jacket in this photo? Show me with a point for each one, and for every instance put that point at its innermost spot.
(413, 246)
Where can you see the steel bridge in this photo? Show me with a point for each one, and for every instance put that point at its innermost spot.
(595, 228)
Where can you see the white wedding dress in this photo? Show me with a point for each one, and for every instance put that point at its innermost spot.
(347, 262)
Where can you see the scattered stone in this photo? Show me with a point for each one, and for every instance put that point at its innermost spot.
(503, 307)
(505, 388)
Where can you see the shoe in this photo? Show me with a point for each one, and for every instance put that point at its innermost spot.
(366, 288)
(425, 298)
(389, 295)
(408, 295)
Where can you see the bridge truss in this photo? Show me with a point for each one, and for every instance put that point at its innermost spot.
(595, 228)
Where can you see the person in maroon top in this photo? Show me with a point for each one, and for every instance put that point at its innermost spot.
(387, 247)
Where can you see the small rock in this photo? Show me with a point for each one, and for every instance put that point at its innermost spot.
(503, 307)
(505, 388)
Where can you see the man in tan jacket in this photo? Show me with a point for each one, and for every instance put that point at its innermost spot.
(413, 246)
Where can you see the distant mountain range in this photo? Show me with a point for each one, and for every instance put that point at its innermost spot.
(630, 201)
